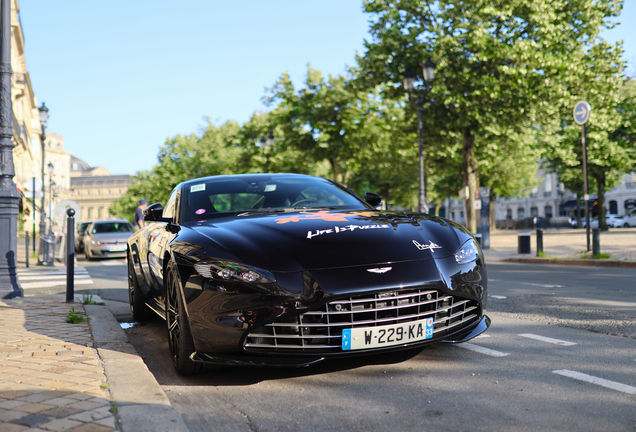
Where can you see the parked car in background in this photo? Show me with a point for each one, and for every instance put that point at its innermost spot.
(615, 221)
(80, 231)
(107, 238)
(630, 219)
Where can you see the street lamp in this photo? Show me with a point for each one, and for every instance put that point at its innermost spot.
(50, 169)
(51, 192)
(44, 119)
(267, 144)
(418, 95)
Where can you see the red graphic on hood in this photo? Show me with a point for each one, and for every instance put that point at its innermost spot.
(323, 215)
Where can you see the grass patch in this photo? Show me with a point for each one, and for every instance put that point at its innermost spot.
(87, 299)
(602, 255)
(104, 386)
(74, 317)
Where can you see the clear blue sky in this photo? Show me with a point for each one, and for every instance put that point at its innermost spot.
(119, 77)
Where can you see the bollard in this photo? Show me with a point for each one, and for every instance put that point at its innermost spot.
(478, 237)
(26, 240)
(596, 242)
(523, 242)
(539, 242)
(70, 256)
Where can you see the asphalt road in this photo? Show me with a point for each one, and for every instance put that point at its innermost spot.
(560, 355)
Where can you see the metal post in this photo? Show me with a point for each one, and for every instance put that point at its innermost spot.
(26, 243)
(586, 191)
(267, 163)
(539, 242)
(33, 215)
(422, 206)
(9, 197)
(596, 242)
(42, 215)
(70, 255)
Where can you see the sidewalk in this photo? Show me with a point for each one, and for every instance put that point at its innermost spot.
(84, 377)
(565, 247)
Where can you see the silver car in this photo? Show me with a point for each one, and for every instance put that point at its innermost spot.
(107, 238)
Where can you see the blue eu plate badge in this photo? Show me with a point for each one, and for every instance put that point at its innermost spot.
(346, 339)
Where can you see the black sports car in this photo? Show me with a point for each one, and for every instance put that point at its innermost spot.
(289, 269)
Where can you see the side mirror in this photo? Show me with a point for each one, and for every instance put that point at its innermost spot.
(154, 212)
(373, 198)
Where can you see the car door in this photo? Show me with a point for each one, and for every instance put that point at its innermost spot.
(630, 219)
(159, 237)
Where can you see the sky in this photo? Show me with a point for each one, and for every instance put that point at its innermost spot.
(121, 77)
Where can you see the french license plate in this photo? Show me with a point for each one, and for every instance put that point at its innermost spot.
(388, 335)
(118, 248)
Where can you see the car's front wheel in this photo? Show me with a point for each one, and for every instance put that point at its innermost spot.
(138, 308)
(180, 339)
(625, 225)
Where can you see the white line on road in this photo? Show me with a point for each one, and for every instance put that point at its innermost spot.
(482, 350)
(31, 285)
(547, 339)
(595, 380)
(542, 285)
(62, 276)
(497, 297)
(114, 263)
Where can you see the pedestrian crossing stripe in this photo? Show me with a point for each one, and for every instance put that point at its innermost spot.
(32, 278)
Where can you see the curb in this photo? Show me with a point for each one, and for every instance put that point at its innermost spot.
(574, 262)
(141, 402)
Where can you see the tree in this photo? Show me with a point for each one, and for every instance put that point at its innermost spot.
(494, 59)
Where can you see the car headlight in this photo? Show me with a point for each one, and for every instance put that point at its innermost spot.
(469, 252)
(230, 271)
(96, 242)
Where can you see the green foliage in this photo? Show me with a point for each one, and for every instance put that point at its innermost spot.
(74, 317)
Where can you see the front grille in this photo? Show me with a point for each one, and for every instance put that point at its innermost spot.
(320, 331)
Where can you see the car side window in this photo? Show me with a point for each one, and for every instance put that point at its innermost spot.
(168, 211)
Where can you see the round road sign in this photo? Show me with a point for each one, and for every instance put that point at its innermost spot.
(582, 112)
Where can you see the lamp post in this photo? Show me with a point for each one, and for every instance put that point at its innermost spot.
(52, 187)
(418, 95)
(9, 197)
(267, 144)
(50, 168)
(44, 119)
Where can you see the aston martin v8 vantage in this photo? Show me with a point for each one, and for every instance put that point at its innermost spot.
(289, 270)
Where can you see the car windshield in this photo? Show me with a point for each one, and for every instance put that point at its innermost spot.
(111, 227)
(82, 227)
(212, 197)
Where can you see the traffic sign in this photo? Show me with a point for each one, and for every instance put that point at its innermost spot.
(582, 112)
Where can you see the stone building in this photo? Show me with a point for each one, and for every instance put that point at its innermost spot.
(95, 189)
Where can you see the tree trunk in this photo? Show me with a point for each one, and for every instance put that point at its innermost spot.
(600, 207)
(335, 170)
(471, 177)
(578, 211)
(384, 191)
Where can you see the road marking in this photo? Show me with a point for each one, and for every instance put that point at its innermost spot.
(542, 285)
(482, 350)
(114, 263)
(47, 284)
(56, 276)
(595, 380)
(547, 339)
(497, 297)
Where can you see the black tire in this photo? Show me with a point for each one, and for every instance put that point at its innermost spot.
(138, 308)
(626, 225)
(180, 340)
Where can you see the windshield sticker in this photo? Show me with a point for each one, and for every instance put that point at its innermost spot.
(270, 188)
(431, 246)
(336, 229)
(197, 188)
(200, 211)
(323, 215)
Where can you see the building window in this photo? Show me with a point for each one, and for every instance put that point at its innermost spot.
(534, 211)
(89, 212)
(521, 213)
(533, 193)
(99, 213)
(630, 180)
(508, 213)
(613, 207)
(548, 211)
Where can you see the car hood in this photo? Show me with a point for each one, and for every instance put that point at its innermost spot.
(324, 239)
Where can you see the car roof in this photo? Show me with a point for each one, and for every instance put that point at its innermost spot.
(257, 176)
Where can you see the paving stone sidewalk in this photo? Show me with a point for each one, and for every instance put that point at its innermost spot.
(51, 377)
